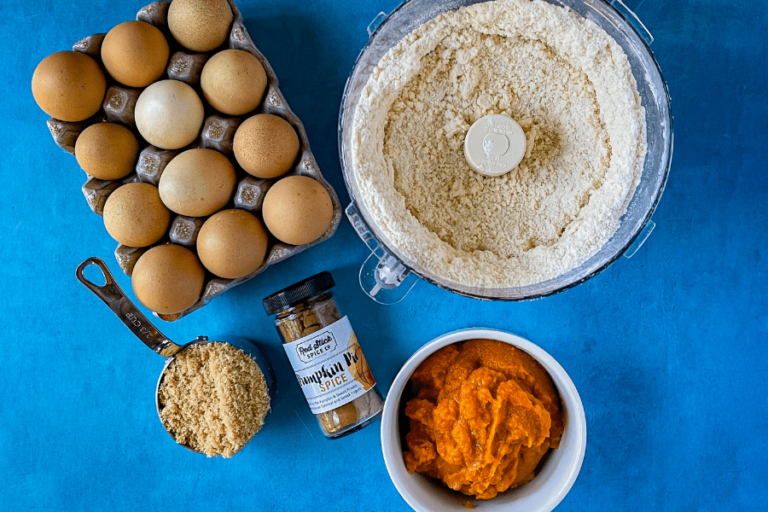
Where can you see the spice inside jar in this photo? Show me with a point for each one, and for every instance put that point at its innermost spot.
(326, 356)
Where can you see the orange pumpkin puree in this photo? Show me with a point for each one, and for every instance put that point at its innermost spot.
(483, 416)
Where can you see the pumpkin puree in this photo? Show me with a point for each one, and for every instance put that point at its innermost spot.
(483, 416)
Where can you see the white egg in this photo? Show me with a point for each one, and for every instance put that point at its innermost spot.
(169, 114)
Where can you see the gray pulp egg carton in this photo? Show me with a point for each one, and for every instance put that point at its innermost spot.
(217, 133)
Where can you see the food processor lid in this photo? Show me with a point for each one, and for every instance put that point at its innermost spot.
(299, 292)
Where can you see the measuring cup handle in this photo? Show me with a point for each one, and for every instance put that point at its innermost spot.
(114, 297)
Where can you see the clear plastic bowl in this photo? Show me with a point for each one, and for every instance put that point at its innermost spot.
(387, 275)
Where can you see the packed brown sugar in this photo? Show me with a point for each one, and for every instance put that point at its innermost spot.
(213, 398)
(484, 414)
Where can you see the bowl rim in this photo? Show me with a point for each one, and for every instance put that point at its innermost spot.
(569, 397)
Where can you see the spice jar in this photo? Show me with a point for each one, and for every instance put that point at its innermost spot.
(326, 356)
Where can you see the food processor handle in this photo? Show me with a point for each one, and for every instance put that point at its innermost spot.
(114, 297)
(383, 277)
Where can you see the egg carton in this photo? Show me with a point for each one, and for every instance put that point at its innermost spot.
(217, 133)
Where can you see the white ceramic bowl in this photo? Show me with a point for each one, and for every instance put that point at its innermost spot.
(542, 494)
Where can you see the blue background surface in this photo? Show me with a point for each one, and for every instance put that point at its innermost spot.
(667, 349)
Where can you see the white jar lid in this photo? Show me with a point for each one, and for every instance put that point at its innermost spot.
(494, 145)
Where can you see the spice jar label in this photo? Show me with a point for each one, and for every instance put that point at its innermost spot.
(330, 366)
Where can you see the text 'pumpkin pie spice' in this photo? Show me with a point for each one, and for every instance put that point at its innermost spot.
(325, 355)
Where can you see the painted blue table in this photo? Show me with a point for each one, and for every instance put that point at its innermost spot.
(667, 349)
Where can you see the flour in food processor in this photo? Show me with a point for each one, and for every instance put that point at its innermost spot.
(569, 86)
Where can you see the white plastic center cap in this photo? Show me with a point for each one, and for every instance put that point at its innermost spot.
(495, 144)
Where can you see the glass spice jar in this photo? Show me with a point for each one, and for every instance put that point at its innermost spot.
(326, 356)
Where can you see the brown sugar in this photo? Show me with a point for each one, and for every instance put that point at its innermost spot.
(213, 399)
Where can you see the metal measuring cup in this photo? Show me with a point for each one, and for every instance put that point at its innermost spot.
(114, 297)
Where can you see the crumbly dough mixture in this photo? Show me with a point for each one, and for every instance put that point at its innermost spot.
(213, 398)
(567, 83)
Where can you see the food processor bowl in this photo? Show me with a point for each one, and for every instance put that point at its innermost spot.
(387, 276)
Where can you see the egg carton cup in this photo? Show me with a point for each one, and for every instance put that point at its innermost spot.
(217, 133)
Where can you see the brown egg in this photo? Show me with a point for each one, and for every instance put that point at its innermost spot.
(107, 151)
(135, 53)
(233, 82)
(200, 25)
(297, 210)
(168, 279)
(197, 182)
(69, 86)
(135, 216)
(232, 244)
(169, 114)
(266, 146)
